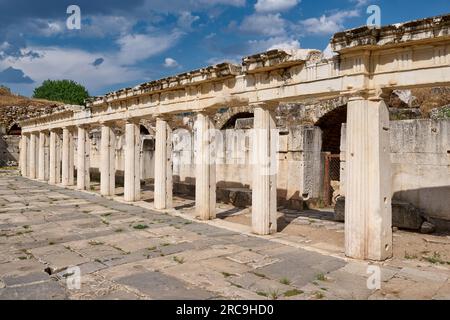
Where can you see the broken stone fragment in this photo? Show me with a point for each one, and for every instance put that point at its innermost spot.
(427, 228)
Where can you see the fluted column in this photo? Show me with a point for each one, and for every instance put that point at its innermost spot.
(205, 168)
(368, 211)
(67, 158)
(55, 158)
(32, 165)
(42, 156)
(83, 159)
(264, 182)
(107, 161)
(163, 166)
(24, 155)
(132, 183)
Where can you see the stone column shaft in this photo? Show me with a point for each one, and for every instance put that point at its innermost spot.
(42, 158)
(32, 157)
(107, 161)
(368, 211)
(24, 155)
(132, 184)
(83, 160)
(205, 168)
(264, 182)
(54, 168)
(163, 166)
(67, 158)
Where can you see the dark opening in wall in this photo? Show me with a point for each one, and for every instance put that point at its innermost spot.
(15, 130)
(231, 123)
(331, 124)
(144, 130)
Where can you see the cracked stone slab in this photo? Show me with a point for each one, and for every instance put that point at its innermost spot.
(160, 286)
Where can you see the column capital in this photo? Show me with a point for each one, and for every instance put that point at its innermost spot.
(132, 120)
(107, 123)
(271, 105)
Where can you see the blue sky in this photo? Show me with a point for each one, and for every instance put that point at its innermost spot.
(124, 43)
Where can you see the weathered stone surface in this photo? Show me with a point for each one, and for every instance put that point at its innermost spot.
(427, 228)
(404, 214)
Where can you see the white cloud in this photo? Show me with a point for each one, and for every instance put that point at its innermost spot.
(360, 3)
(280, 42)
(275, 5)
(171, 63)
(286, 45)
(139, 47)
(328, 24)
(186, 19)
(74, 64)
(268, 25)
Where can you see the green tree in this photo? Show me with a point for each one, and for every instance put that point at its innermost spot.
(66, 91)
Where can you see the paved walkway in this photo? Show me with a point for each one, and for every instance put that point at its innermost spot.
(129, 252)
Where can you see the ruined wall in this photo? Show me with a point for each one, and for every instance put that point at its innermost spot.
(420, 157)
(299, 172)
(9, 150)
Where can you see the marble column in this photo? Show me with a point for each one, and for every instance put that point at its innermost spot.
(205, 168)
(42, 156)
(24, 155)
(55, 158)
(132, 183)
(368, 209)
(107, 161)
(32, 158)
(264, 182)
(83, 159)
(67, 158)
(163, 166)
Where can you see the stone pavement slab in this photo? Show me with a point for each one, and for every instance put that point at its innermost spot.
(127, 251)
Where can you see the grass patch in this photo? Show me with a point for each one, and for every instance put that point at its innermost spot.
(293, 293)
(165, 244)
(96, 243)
(236, 285)
(118, 230)
(226, 274)
(259, 275)
(285, 281)
(409, 256)
(321, 277)
(319, 295)
(51, 243)
(436, 259)
(178, 260)
(151, 248)
(262, 293)
(274, 294)
(140, 227)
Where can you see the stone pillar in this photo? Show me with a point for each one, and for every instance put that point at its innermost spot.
(264, 182)
(67, 158)
(205, 168)
(24, 155)
(132, 184)
(107, 161)
(32, 166)
(54, 168)
(42, 156)
(163, 165)
(83, 160)
(368, 211)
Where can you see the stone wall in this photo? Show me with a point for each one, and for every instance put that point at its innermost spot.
(420, 157)
(9, 150)
(299, 172)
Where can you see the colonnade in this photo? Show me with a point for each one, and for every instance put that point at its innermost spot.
(49, 156)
